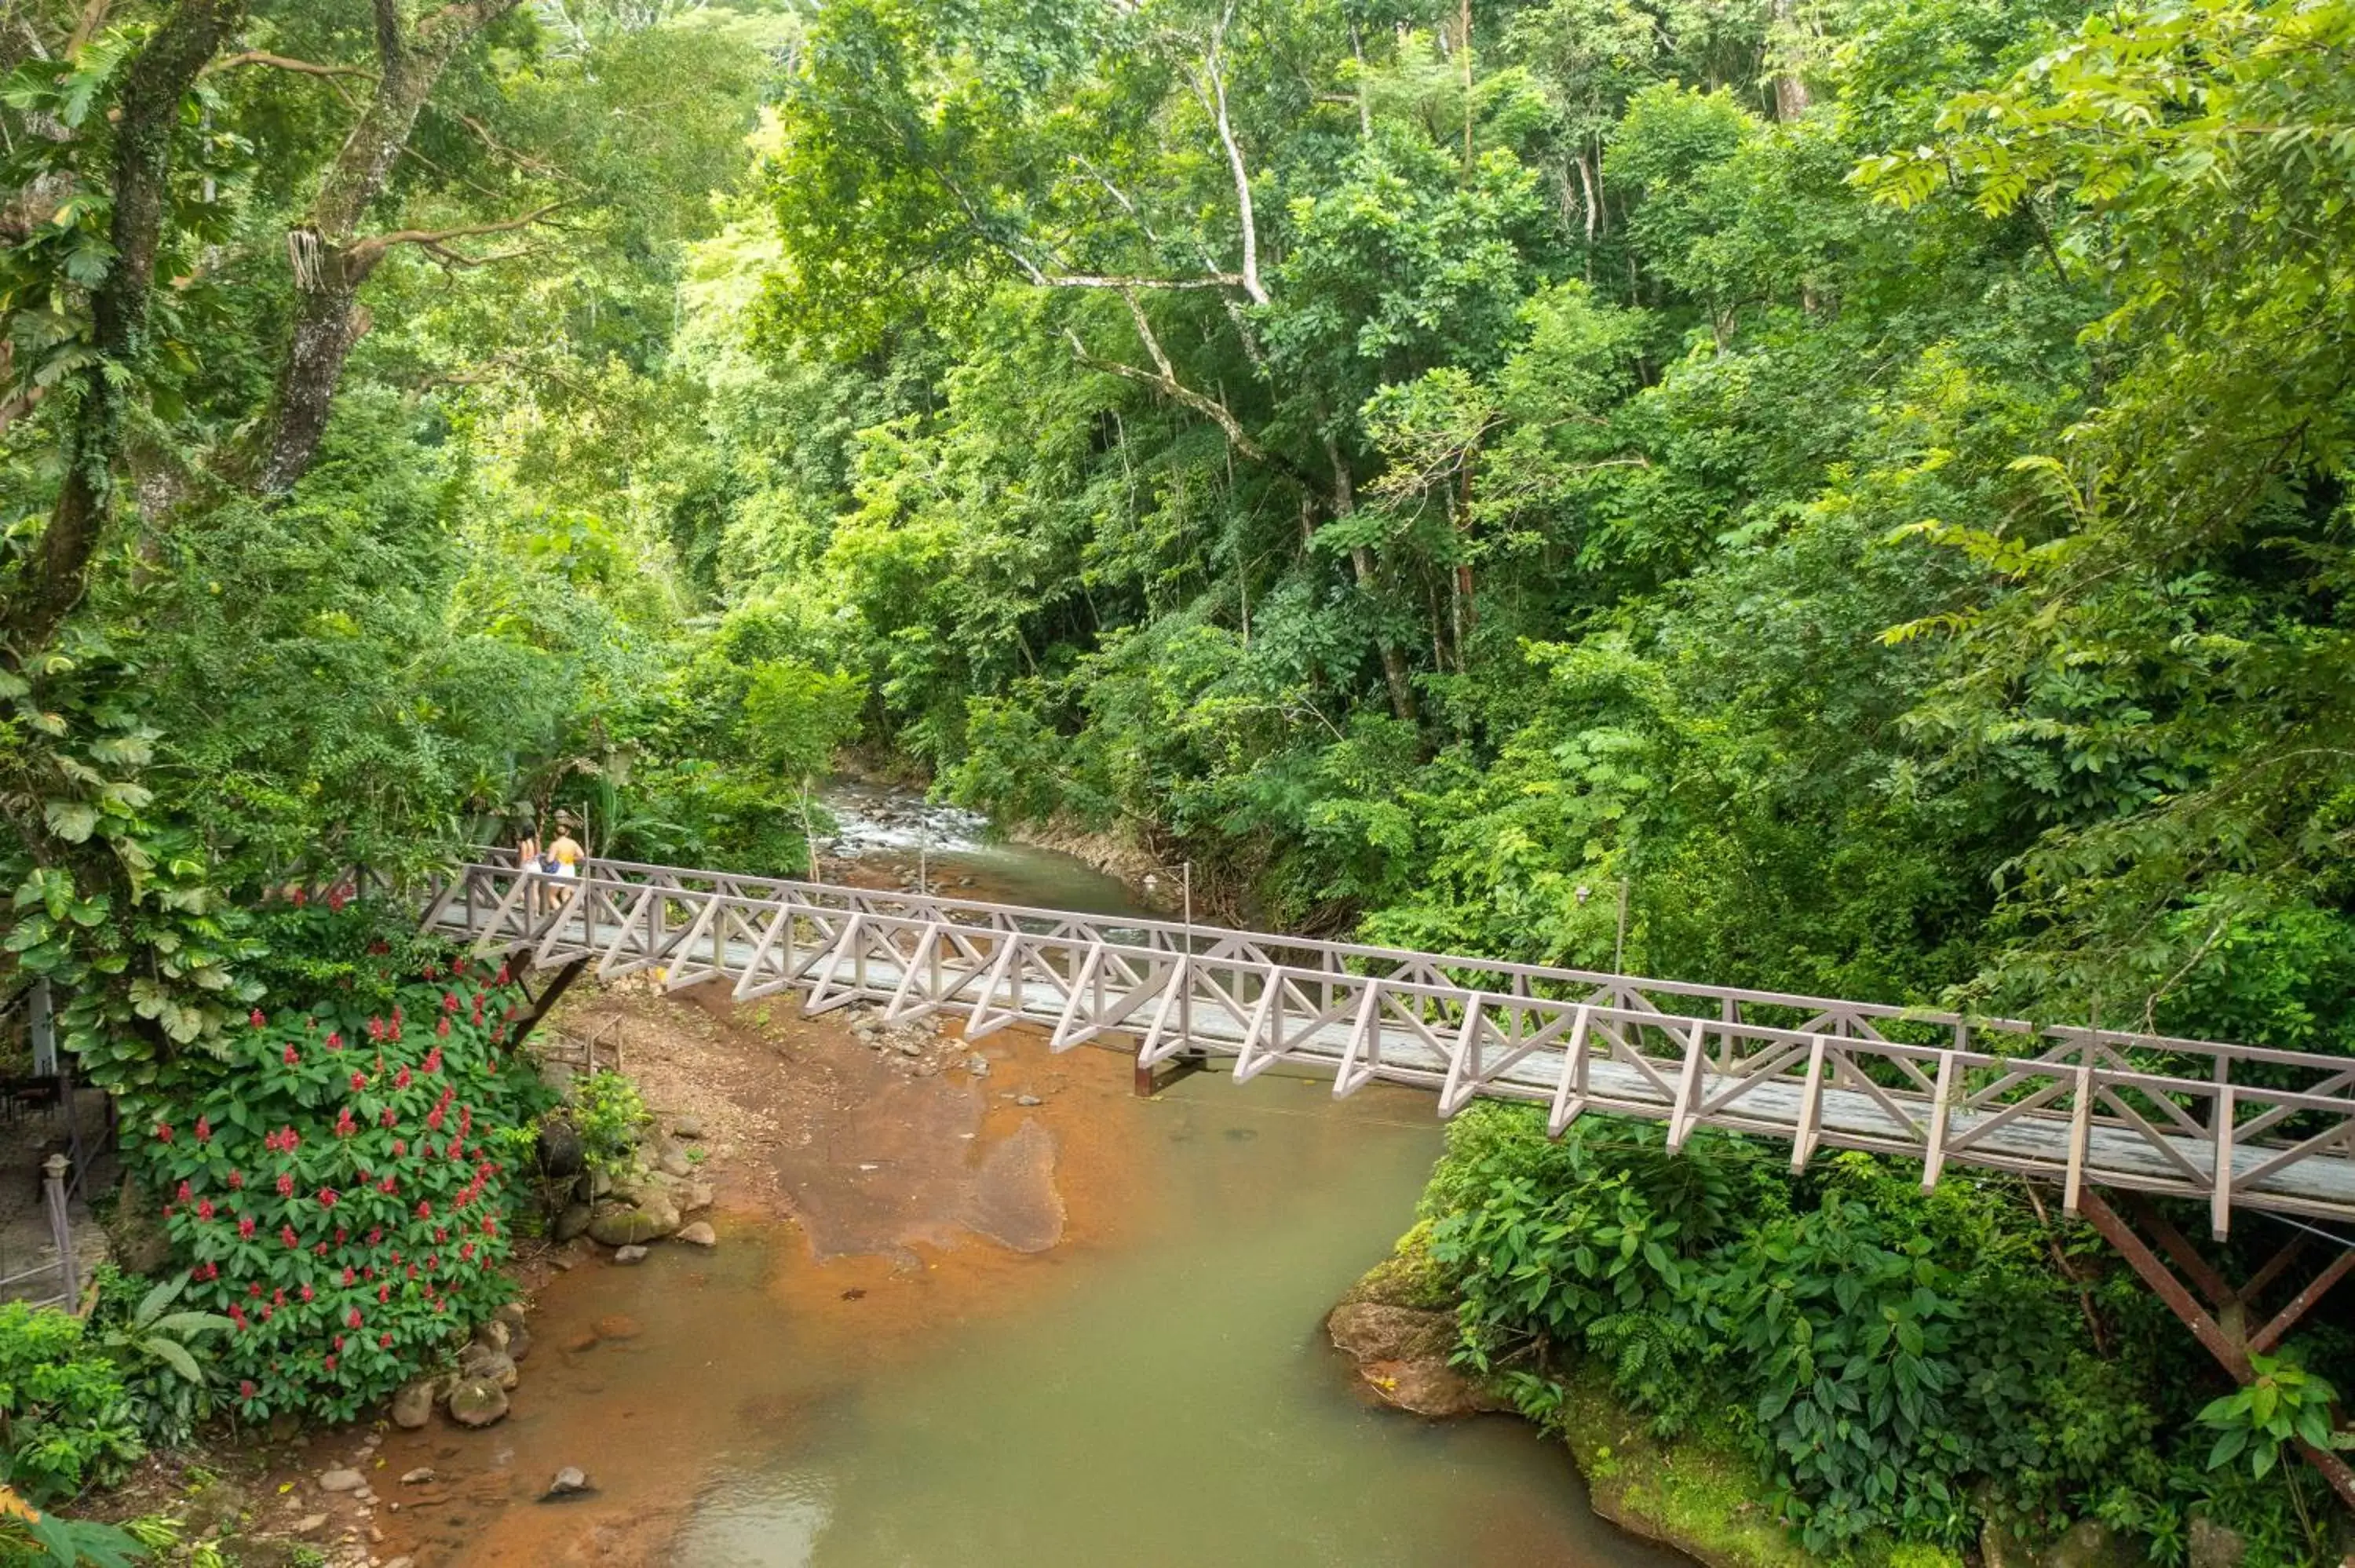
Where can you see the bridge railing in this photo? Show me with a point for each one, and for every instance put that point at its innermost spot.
(2072, 1105)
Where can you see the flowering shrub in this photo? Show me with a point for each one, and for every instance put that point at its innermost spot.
(337, 1186)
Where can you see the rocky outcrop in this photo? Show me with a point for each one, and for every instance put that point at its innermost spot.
(1403, 1355)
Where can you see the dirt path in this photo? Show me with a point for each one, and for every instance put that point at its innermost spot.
(871, 1197)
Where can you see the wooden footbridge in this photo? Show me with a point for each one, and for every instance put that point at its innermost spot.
(2236, 1129)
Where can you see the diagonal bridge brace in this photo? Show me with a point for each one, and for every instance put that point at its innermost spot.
(2225, 1330)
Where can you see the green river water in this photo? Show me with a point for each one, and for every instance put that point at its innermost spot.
(1174, 1403)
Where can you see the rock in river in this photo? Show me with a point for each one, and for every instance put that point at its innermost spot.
(570, 1482)
(412, 1407)
(341, 1481)
(698, 1234)
(629, 1255)
(484, 1364)
(477, 1401)
(651, 1218)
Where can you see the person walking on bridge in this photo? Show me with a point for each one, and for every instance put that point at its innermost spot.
(564, 849)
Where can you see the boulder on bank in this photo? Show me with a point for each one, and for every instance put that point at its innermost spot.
(1382, 1331)
(1402, 1355)
(412, 1407)
(617, 1224)
(477, 1401)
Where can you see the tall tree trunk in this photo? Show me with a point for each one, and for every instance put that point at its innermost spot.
(1790, 92)
(154, 85)
(330, 261)
(1361, 565)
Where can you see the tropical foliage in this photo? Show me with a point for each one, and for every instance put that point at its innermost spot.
(1858, 487)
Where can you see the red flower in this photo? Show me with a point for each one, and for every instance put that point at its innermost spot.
(254, 1288)
(237, 1180)
(328, 1362)
(425, 1210)
(184, 1196)
(286, 1233)
(449, 1001)
(245, 1385)
(285, 1184)
(205, 1209)
(376, 1236)
(401, 1079)
(399, 1146)
(212, 1271)
(441, 1234)
(292, 1054)
(387, 1119)
(433, 1059)
(301, 899)
(245, 1227)
(335, 1040)
(359, 1082)
(352, 1318)
(237, 1314)
(163, 1132)
(467, 1252)
(386, 1185)
(383, 1294)
(384, 1341)
(340, 1234)
(204, 1130)
(327, 1197)
(255, 1018)
(306, 1291)
(442, 1027)
(434, 1119)
(349, 1277)
(277, 1297)
(345, 1126)
(321, 1250)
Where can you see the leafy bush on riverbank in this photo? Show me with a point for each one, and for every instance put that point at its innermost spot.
(1898, 1366)
(337, 1184)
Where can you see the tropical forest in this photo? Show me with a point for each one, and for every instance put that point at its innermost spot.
(1792, 499)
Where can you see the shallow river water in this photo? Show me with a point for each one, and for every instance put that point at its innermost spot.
(1155, 1390)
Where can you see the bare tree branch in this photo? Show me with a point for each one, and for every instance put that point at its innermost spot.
(366, 253)
(93, 18)
(1164, 378)
(1211, 88)
(285, 62)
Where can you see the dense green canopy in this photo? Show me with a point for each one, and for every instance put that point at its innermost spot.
(1867, 476)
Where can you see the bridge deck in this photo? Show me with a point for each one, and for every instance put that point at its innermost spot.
(2240, 1127)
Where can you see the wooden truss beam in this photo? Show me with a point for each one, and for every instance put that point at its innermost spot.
(2230, 1346)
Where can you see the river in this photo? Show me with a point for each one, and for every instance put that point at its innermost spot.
(1155, 1390)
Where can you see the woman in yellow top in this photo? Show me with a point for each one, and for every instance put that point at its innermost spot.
(564, 849)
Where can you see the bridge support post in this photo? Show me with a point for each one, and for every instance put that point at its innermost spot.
(549, 995)
(1152, 1080)
(2223, 1332)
